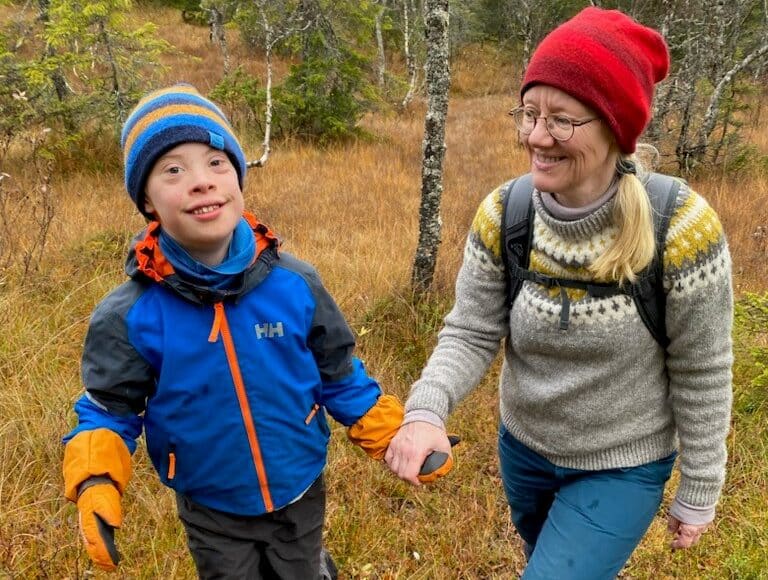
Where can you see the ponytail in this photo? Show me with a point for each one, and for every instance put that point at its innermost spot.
(634, 248)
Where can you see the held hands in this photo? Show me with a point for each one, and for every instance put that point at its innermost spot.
(411, 446)
(685, 535)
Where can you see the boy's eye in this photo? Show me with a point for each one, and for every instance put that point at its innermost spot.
(173, 170)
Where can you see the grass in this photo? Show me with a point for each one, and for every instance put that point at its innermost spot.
(351, 211)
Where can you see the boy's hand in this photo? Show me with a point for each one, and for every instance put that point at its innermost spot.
(100, 513)
(97, 467)
(374, 430)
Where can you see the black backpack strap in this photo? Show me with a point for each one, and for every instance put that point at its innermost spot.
(516, 231)
(648, 291)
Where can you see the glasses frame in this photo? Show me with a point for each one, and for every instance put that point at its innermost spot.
(514, 114)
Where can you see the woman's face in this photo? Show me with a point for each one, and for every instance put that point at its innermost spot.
(580, 169)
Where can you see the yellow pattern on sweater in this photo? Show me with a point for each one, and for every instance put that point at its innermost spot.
(694, 231)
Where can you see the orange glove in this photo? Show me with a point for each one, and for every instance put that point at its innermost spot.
(374, 430)
(437, 464)
(430, 476)
(97, 467)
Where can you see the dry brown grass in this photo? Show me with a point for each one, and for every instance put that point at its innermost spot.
(352, 212)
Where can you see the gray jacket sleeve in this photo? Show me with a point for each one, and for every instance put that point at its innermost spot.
(115, 375)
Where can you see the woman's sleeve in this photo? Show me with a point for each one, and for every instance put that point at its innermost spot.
(699, 317)
(472, 331)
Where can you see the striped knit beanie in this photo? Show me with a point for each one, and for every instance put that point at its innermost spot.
(166, 118)
(608, 61)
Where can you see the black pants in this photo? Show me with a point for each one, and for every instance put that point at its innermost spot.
(282, 545)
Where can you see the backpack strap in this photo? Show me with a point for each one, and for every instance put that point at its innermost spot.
(648, 291)
(516, 231)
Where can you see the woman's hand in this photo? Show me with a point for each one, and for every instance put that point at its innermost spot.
(685, 535)
(410, 447)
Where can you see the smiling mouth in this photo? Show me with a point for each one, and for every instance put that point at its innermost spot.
(548, 159)
(206, 209)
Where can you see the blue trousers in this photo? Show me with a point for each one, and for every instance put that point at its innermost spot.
(578, 525)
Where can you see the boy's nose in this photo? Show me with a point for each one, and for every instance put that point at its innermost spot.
(202, 182)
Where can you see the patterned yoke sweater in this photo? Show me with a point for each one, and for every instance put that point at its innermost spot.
(601, 394)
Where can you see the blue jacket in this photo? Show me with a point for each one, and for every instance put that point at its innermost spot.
(230, 387)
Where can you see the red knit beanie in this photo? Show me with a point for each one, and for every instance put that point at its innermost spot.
(607, 61)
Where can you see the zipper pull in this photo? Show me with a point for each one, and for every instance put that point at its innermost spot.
(312, 413)
(218, 315)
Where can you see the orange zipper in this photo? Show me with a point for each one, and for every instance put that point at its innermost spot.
(221, 328)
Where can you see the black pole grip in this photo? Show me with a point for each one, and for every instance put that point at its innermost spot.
(436, 459)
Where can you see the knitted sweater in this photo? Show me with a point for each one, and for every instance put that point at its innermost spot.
(601, 394)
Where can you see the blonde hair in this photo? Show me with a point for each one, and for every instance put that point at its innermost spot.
(634, 248)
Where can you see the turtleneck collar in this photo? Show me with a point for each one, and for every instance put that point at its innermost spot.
(561, 212)
(576, 223)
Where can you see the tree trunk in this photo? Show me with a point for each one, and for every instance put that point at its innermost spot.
(268, 44)
(710, 117)
(438, 83)
(410, 59)
(381, 58)
(218, 34)
(120, 101)
(57, 77)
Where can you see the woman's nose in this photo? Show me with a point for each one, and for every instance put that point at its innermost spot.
(540, 135)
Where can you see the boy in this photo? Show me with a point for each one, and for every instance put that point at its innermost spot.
(226, 352)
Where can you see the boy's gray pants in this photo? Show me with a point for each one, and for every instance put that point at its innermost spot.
(282, 545)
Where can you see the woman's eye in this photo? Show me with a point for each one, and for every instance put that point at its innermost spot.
(562, 122)
(529, 115)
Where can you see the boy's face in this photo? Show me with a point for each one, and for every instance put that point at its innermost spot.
(194, 192)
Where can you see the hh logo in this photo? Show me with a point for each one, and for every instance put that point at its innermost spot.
(269, 330)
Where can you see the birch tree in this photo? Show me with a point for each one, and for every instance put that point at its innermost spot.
(715, 46)
(218, 34)
(277, 22)
(381, 57)
(433, 148)
(410, 56)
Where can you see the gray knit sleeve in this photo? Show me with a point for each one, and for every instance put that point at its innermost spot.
(472, 331)
(697, 268)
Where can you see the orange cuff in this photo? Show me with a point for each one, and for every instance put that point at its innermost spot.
(374, 430)
(100, 452)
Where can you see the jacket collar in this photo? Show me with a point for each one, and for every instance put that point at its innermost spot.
(146, 260)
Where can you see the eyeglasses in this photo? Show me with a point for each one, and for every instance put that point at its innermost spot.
(559, 127)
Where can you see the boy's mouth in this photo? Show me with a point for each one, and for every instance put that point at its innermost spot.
(205, 209)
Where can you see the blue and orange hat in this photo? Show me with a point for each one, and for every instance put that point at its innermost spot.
(169, 117)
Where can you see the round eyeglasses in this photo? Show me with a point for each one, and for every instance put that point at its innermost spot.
(559, 127)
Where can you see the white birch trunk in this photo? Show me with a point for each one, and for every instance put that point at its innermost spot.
(381, 59)
(410, 59)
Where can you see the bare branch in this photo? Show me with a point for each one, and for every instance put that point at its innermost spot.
(710, 117)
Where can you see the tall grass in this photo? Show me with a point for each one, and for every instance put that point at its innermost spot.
(351, 211)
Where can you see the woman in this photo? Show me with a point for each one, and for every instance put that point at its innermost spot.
(591, 415)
